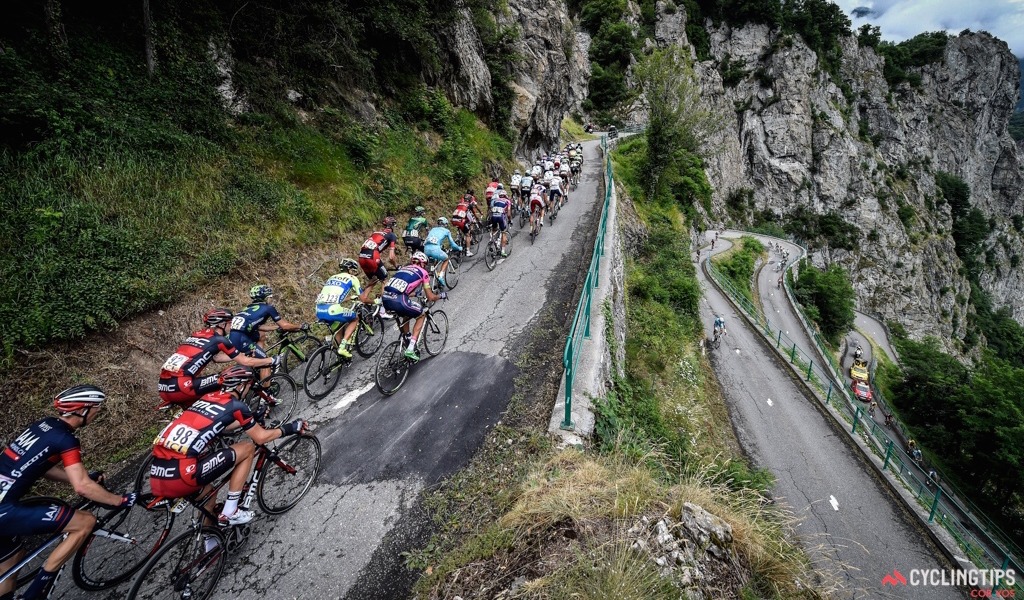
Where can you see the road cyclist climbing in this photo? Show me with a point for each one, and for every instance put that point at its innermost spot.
(259, 316)
(370, 259)
(434, 250)
(401, 295)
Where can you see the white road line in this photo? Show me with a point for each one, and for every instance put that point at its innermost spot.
(835, 503)
(350, 397)
(770, 402)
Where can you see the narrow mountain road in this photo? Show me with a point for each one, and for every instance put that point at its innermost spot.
(848, 520)
(379, 453)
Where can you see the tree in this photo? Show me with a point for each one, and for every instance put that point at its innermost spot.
(147, 24)
(677, 115)
(55, 29)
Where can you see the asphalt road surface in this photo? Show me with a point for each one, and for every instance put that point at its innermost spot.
(380, 452)
(848, 519)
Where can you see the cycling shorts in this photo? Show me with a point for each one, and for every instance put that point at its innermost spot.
(434, 252)
(554, 194)
(374, 268)
(19, 519)
(500, 221)
(180, 477)
(402, 305)
(335, 313)
(461, 225)
(536, 204)
(185, 389)
(252, 349)
(413, 242)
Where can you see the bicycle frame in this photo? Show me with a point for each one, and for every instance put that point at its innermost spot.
(13, 571)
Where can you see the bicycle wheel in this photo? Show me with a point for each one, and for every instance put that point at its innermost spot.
(369, 336)
(183, 568)
(475, 230)
(491, 256)
(142, 476)
(524, 217)
(322, 372)
(392, 368)
(288, 474)
(435, 332)
(298, 352)
(124, 539)
(281, 394)
(508, 243)
(451, 276)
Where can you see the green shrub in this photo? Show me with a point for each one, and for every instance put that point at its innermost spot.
(918, 51)
(827, 297)
(738, 264)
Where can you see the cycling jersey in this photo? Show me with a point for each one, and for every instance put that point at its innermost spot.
(564, 171)
(549, 165)
(379, 241)
(537, 171)
(538, 189)
(245, 326)
(41, 446)
(491, 188)
(516, 180)
(499, 213)
(400, 291)
(556, 185)
(180, 382)
(548, 176)
(196, 352)
(436, 237)
(180, 466)
(526, 184)
(459, 215)
(335, 291)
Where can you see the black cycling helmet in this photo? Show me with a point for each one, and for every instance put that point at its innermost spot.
(260, 292)
(235, 376)
(389, 222)
(77, 397)
(217, 316)
(347, 264)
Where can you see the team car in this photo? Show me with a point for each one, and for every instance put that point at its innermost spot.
(862, 391)
(859, 370)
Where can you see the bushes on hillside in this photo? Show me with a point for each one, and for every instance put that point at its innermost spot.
(738, 264)
(612, 46)
(827, 297)
(918, 51)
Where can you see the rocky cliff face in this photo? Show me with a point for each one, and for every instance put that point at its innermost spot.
(870, 156)
(551, 78)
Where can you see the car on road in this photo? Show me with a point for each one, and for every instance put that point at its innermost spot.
(859, 370)
(862, 391)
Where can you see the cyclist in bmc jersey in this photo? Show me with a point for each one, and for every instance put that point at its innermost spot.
(462, 218)
(369, 254)
(500, 210)
(183, 463)
(248, 324)
(401, 297)
(435, 237)
(180, 382)
(49, 448)
(413, 236)
(329, 308)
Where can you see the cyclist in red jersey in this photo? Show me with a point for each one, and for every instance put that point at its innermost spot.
(180, 380)
(462, 217)
(370, 261)
(49, 448)
(182, 462)
(492, 187)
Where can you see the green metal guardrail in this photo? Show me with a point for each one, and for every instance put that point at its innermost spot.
(985, 550)
(580, 329)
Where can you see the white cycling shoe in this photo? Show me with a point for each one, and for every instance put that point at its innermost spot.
(241, 517)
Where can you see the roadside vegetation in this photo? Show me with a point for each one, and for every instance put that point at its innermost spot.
(738, 264)
(827, 298)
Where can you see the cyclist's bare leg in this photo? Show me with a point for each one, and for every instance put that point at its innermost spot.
(444, 268)
(349, 329)
(8, 585)
(244, 452)
(418, 326)
(78, 530)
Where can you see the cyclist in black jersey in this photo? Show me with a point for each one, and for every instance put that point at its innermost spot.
(49, 448)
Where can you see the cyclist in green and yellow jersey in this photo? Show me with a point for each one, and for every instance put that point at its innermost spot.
(329, 308)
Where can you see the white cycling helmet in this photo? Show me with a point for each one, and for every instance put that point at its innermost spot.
(419, 258)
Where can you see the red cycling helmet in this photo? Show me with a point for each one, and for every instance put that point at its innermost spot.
(389, 222)
(217, 316)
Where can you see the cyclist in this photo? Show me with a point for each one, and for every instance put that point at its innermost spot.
(400, 296)
(49, 448)
(526, 187)
(564, 172)
(461, 219)
(574, 168)
(180, 382)
(435, 237)
(369, 254)
(536, 205)
(555, 189)
(413, 236)
(719, 326)
(537, 171)
(500, 211)
(517, 179)
(330, 307)
(248, 324)
(183, 463)
(492, 187)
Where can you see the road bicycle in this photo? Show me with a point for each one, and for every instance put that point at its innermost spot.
(553, 207)
(324, 369)
(460, 239)
(183, 567)
(524, 213)
(451, 274)
(122, 540)
(716, 341)
(393, 365)
(296, 347)
(494, 252)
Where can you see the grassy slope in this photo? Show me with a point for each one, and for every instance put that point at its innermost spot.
(560, 517)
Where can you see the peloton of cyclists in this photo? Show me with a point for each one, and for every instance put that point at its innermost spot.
(180, 379)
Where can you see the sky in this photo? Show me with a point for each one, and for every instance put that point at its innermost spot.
(903, 19)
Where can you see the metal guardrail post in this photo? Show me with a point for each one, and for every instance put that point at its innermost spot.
(810, 367)
(888, 455)
(778, 342)
(792, 353)
(828, 395)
